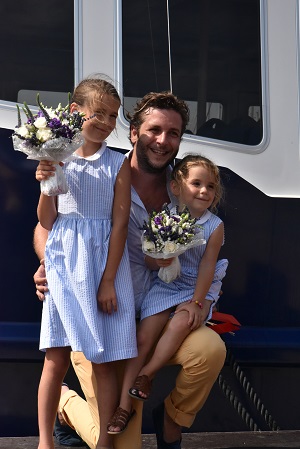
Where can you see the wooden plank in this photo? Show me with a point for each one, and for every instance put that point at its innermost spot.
(205, 440)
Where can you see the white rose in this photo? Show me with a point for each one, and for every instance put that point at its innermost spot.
(148, 246)
(154, 227)
(23, 131)
(44, 134)
(40, 123)
(169, 247)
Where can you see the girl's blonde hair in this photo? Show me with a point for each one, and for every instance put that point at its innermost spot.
(89, 92)
(182, 168)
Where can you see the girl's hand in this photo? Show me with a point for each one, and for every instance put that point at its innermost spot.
(196, 315)
(45, 170)
(106, 297)
(161, 263)
(156, 264)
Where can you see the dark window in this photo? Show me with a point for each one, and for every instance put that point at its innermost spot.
(36, 55)
(215, 62)
(36, 49)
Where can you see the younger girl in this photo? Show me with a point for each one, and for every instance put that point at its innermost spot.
(90, 304)
(196, 184)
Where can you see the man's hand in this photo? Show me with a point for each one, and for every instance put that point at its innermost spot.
(40, 281)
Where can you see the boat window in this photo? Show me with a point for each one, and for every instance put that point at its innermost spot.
(37, 51)
(207, 52)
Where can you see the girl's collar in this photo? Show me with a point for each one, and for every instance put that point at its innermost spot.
(94, 156)
(206, 215)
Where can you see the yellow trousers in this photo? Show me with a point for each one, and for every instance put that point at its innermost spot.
(201, 356)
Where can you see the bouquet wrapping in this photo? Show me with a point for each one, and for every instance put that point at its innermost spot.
(167, 234)
(53, 135)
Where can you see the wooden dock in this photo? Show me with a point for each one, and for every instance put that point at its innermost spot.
(205, 440)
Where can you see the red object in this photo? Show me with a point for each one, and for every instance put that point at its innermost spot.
(225, 323)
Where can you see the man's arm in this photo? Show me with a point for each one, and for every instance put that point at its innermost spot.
(40, 236)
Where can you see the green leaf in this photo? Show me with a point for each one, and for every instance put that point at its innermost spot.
(46, 115)
(19, 116)
(27, 111)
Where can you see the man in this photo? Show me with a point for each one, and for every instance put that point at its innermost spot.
(156, 128)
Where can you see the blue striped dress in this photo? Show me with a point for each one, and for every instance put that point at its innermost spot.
(75, 257)
(162, 295)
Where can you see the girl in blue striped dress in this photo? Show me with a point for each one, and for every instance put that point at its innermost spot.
(196, 184)
(90, 303)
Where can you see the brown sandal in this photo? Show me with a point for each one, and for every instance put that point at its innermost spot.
(119, 419)
(142, 383)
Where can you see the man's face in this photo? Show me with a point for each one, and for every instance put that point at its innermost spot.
(157, 142)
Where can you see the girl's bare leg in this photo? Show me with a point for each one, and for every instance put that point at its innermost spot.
(148, 332)
(56, 365)
(168, 344)
(107, 397)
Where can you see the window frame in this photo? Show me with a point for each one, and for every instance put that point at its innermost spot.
(192, 140)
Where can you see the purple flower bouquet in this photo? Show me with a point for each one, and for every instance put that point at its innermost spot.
(51, 134)
(168, 234)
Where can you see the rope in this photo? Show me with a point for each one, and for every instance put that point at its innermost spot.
(152, 45)
(252, 394)
(237, 404)
(169, 47)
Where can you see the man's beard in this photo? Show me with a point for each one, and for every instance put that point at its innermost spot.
(144, 162)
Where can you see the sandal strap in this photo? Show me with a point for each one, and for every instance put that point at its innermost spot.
(120, 418)
(143, 383)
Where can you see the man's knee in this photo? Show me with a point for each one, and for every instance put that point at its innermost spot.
(202, 348)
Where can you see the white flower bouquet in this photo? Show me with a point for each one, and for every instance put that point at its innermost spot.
(51, 134)
(170, 233)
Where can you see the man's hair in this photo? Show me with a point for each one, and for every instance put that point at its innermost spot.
(159, 100)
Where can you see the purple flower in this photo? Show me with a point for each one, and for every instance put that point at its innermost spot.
(65, 131)
(158, 220)
(54, 123)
